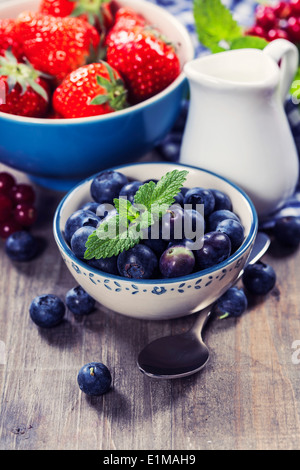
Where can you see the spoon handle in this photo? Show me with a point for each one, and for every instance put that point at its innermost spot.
(202, 319)
(261, 245)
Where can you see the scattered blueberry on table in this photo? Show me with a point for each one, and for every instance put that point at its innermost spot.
(259, 278)
(47, 311)
(79, 301)
(94, 379)
(21, 246)
(287, 231)
(233, 303)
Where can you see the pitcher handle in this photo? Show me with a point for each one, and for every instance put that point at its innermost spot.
(286, 52)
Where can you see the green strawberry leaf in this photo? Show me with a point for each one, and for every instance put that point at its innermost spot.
(214, 24)
(251, 42)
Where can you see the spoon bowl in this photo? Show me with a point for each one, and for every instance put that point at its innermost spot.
(185, 354)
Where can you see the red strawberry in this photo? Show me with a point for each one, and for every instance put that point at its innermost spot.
(145, 60)
(56, 7)
(8, 38)
(125, 19)
(91, 90)
(56, 46)
(26, 93)
(96, 12)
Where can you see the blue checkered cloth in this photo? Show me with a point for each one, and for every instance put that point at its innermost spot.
(243, 12)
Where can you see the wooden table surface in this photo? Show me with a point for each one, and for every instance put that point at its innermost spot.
(247, 397)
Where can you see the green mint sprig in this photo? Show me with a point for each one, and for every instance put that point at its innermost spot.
(218, 31)
(127, 227)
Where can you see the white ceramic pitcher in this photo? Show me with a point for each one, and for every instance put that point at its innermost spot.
(237, 125)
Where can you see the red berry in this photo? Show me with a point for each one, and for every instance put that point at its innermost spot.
(265, 17)
(293, 29)
(277, 34)
(7, 181)
(25, 214)
(256, 31)
(6, 206)
(295, 7)
(22, 193)
(9, 227)
(282, 10)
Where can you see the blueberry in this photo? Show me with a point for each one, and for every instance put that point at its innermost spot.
(107, 185)
(179, 199)
(194, 224)
(176, 261)
(47, 310)
(169, 148)
(139, 262)
(79, 240)
(222, 200)
(21, 246)
(217, 216)
(105, 210)
(200, 196)
(129, 190)
(79, 301)
(231, 304)
(151, 179)
(172, 223)
(79, 219)
(90, 206)
(259, 278)
(94, 379)
(107, 265)
(234, 230)
(216, 248)
(153, 239)
(287, 231)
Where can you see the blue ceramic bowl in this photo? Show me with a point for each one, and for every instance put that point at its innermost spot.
(158, 299)
(57, 153)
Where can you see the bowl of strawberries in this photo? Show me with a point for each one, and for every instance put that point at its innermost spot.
(87, 85)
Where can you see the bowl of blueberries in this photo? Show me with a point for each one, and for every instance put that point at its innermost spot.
(155, 241)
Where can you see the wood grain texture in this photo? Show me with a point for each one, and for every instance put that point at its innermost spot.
(247, 397)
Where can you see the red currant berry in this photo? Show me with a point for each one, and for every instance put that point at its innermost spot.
(9, 227)
(7, 181)
(295, 7)
(293, 29)
(282, 10)
(256, 31)
(265, 17)
(6, 207)
(277, 34)
(25, 214)
(22, 193)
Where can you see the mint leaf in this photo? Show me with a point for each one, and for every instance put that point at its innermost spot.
(251, 42)
(144, 194)
(125, 229)
(214, 24)
(162, 192)
(125, 209)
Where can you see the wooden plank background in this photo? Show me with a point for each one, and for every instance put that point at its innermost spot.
(248, 396)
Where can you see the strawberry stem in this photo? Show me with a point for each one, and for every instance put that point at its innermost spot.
(22, 74)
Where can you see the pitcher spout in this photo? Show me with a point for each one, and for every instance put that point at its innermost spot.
(244, 68)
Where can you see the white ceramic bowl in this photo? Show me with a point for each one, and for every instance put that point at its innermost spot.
(163, 298)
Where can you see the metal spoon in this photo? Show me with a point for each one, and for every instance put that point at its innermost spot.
(185, 354)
